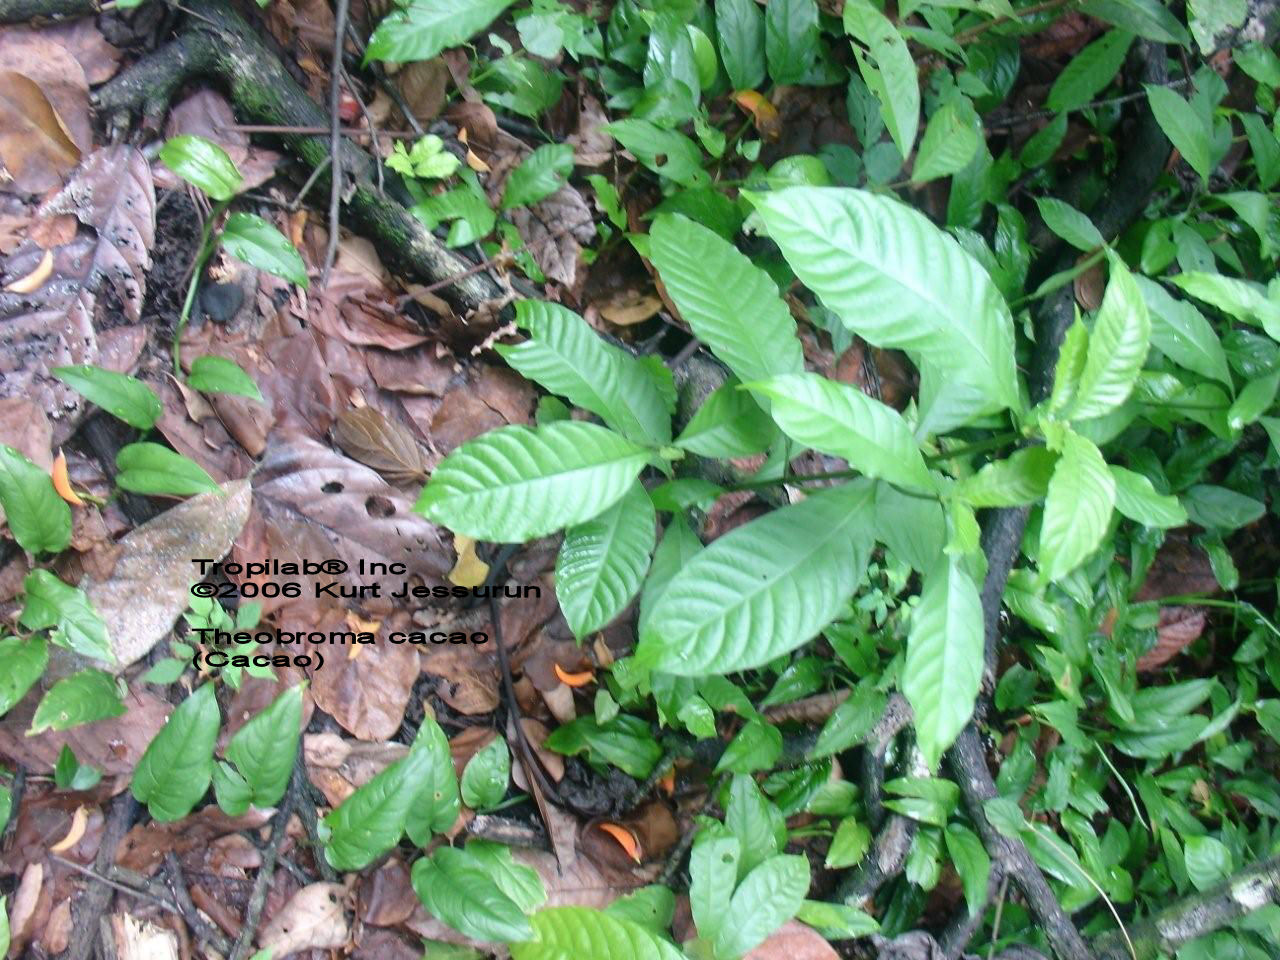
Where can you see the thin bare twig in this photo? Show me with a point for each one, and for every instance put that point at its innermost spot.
(335, 137)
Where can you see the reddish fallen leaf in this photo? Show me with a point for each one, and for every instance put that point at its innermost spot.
(573, 679)
(1177, 629)
(62, 483)
(626, 839)
(794, 941)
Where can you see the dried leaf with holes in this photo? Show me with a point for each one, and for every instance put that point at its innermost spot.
(554, 230)
(364, 434)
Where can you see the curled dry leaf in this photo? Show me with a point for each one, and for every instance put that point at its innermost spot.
(625, 838)
(62, 482)
(34, 280)
(366, 435)
(79, 822)
(573, 679)
(313, 919)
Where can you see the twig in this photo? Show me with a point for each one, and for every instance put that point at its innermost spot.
(305, 131)
(262, 883)
(98, 895)
(116, 885)
(293, 205)
(505, 255)
(964, 36)
(335, 138)
(203, 931)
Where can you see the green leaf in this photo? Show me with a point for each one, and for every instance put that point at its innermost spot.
(1069, 223)
(1218, 508)
(122, 396)
(24, 660)
(214, 374)
(756, 822)
(851, 722)
(423, 28)
(841, 420)
(764, 588)
(484, 780)
(1256, 398)
(370, 821)
(912, 527)
(1044, 143)
(1181, 332)
(38, 518)
(457, 889)
(926, 799)
(152, 468)
(950, 141)
(731, 305)
(4, 926)
(1137, 499)
(1090, 71)
(740, 30)
(563, 932)
(888, 69)
(899, 282)
(1077, 511)
(175, 771)
(263, 750)
(522, 884)
(728, 424)
(837, 921)
(790, 39)
(539, 175)
(514, 484)
(248, 237)
(84, 697)
(768, 897)
(1208, 861)
(1264, 147)
(602, 562)
(1147, 18)
(567, 357)
(1018, 481)
(203, 164)
(972, 863)
(438, 802)
(666, 152)
(943, 669)
(1118, 348)
(1184, 127)
(231, 790)
(1247, 302)
(757, 746)
(713, 873)
(849, 845)
(625, 742)
(52, 604)
(678, 546)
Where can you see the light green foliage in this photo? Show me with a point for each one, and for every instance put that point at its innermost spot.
(176, 769)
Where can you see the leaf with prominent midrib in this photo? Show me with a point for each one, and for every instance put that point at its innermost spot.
(175, 771)
(602, 562)
(943, 669)
(438, 801)
(762, 589)
(740, 28)
(1117, 348)
(730, 303)
(768, 897)
(422, 28)
(892, 78)
(456, 888)
(515, 483)
(38, 518)
(579, 932)
(897, 281)
(263, 749)
(713, 873)
(843, 421)
(1077, 510)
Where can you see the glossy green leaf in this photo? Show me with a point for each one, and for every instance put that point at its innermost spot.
(1208, 861)
(602, 562)
(837, 921)
(1219, 508)
(214, 374)
(515, 483)
(740, 31)
(86, 696)
(484, 780)
(1255, 398)
(790, 39)
(1090, 71)
(1241, 299)
(263, 750)
(1019, 480)
(899, 282)
(563, 932)
(849, 845)
(950, 141)
(850, 722)
(841, 420)
(247, 237)
(929, 800)
(174, 772)
(1181, 332)
(1069, 223)
(457, 889)
(1147, 18)
(152, 468)
(767, 898)
(231, 790)
(757, 823)
(567, 357)
(943, 669)
(522, 884)
(51, 604)
(24, 660)
(666, 152)
(731, 305)
(1118, 347)
(728, 424)
(1137, 499)
(420, 29)
(1184, 127)
(713, 873)
(38, 518)
(757, 746)
(539, 175)
(972, 863)
(203, 164)
(120, 395)
(1077, 510)
(625, 741)
(70, 774)
(762, 589)
(888, 69)
(911, 526)
(438, 803)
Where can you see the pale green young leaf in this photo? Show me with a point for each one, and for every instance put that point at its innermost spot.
(539, 175)
(756, 746)
(214, 374)
(767, 898)
(86, 696)
(568, 358)
(1018, 481)
(1242, 299)
(438, 803)
(713, 873)
(176, 768)
(152, 468)
(263, 750)
(4, 926)
(943, 669)
(762, 589)
(678, 546)
(515, 483)
(837, 921)
(1070, 366)
(1208, 861)
(790, 39)
(457, 889)
(972, 863)
(757, 823)
(248, 237)
(420, 29)
(1137, 499)
(38, 518)
(841, 420)
(1184, 127)
(371, 820)
(851, 722)
(485, 777)
(740, 31)
(561, 932)
(519, 882)
(732, 305)
(602, 562)
(1078, 508)
(203, 164)
(1118, 348)
(898, 281)
(25, 659)
(1256, 398)
(1089, 71)
(728, 424)
(849, 845)
(1069, 224)
(912, 527)
(890, 73)
(929, 800)
(122, 396)
(1181, 332)
(51, 604)
(950, 141)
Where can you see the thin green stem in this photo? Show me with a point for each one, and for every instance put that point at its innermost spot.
(208, 243)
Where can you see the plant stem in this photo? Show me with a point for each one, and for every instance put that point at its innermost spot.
(208, 243)
(964, 36)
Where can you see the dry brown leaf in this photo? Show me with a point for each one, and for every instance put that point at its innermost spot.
(423, 85)
(554, 230)
(79, 821)
(630, 307)
(34, 144)
(24, 426)
(366, 435)
(81, 38)
(367, 695)
(144, 846)
(136, 939)
(314, 919)
(23, 906)
(1177, 629)
(794, 941)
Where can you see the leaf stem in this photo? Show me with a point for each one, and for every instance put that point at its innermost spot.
(208, 243)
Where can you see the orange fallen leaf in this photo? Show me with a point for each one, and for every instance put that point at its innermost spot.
(62, 482)
(79, 822)
(573, 679)
(34, 280)
(470, 570)
(668, 782)
(763, 113)
(626, 839)
(360, 625)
